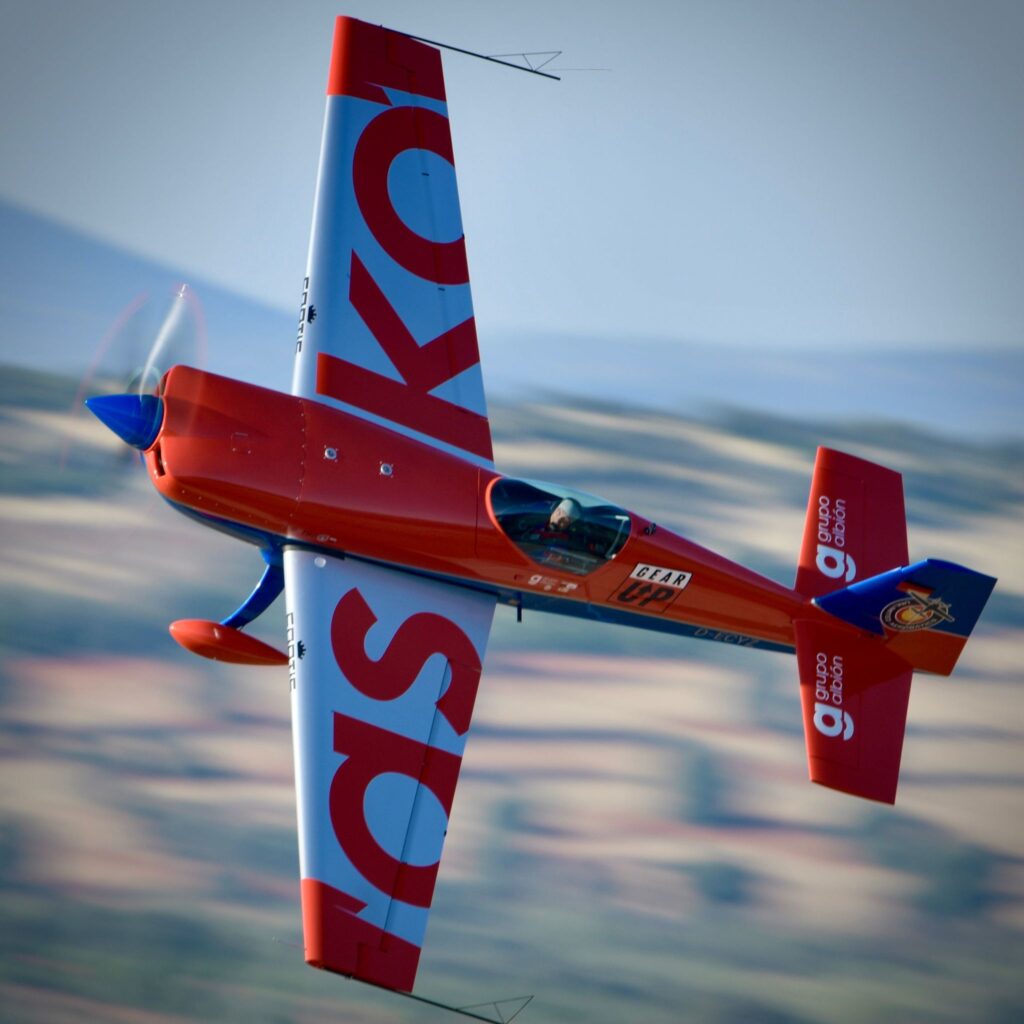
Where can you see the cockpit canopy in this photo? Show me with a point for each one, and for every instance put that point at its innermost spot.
(566, 530)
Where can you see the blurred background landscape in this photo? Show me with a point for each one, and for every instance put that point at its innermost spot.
(634, 837)
(753, 229)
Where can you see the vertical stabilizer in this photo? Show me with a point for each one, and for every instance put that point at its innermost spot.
(856, 526)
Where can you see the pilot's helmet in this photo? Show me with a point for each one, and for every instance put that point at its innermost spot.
(568, 509)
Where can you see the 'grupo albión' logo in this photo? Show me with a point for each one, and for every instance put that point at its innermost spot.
(829, 717)
(832, 559)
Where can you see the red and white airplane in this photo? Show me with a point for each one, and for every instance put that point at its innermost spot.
(372, 494)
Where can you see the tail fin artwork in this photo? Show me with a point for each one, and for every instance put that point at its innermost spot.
(854, 688)
(925, 611)
(854, 697)
(855, 527)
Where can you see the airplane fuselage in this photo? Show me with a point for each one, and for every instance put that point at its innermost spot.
(302, 472)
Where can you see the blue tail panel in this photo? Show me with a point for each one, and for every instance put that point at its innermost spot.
(933, 595)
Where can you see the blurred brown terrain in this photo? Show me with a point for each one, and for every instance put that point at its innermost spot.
(633, 839)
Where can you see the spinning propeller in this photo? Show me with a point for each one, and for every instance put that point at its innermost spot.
(130, 404)
(123, 380)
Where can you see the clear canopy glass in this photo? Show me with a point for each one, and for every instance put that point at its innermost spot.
(558, 527)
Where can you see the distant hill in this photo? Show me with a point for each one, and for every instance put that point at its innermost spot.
(60, 290)
(977, 394)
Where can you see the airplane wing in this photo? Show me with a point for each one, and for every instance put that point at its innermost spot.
(384, 672)
(387, 328)
(384, 664)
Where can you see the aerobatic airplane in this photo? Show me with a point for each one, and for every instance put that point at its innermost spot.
(372, 495)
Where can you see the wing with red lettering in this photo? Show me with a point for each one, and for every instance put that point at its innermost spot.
(384, 672)
(387, 327)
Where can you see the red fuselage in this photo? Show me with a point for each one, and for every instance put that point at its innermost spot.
(314, 475)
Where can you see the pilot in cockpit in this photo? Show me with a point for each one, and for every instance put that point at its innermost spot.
(563, 526)
(567, 512)
(575, 534)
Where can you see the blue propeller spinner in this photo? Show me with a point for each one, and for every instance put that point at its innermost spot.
(135, 419)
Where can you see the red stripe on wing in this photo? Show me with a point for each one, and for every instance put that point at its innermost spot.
(337, 940)
(366, 58)
(391, 399)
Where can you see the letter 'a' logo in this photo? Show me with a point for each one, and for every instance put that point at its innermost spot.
(836, 565)
(830, 721)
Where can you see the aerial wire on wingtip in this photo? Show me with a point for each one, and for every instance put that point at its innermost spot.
(469, 1010)
(494, 59)
(530, 65)
(520, 1002)
(523, 1001)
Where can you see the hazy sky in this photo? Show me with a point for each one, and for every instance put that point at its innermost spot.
(785, 173)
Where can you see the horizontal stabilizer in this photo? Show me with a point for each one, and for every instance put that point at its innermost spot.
(926, 611)
(854, 694)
